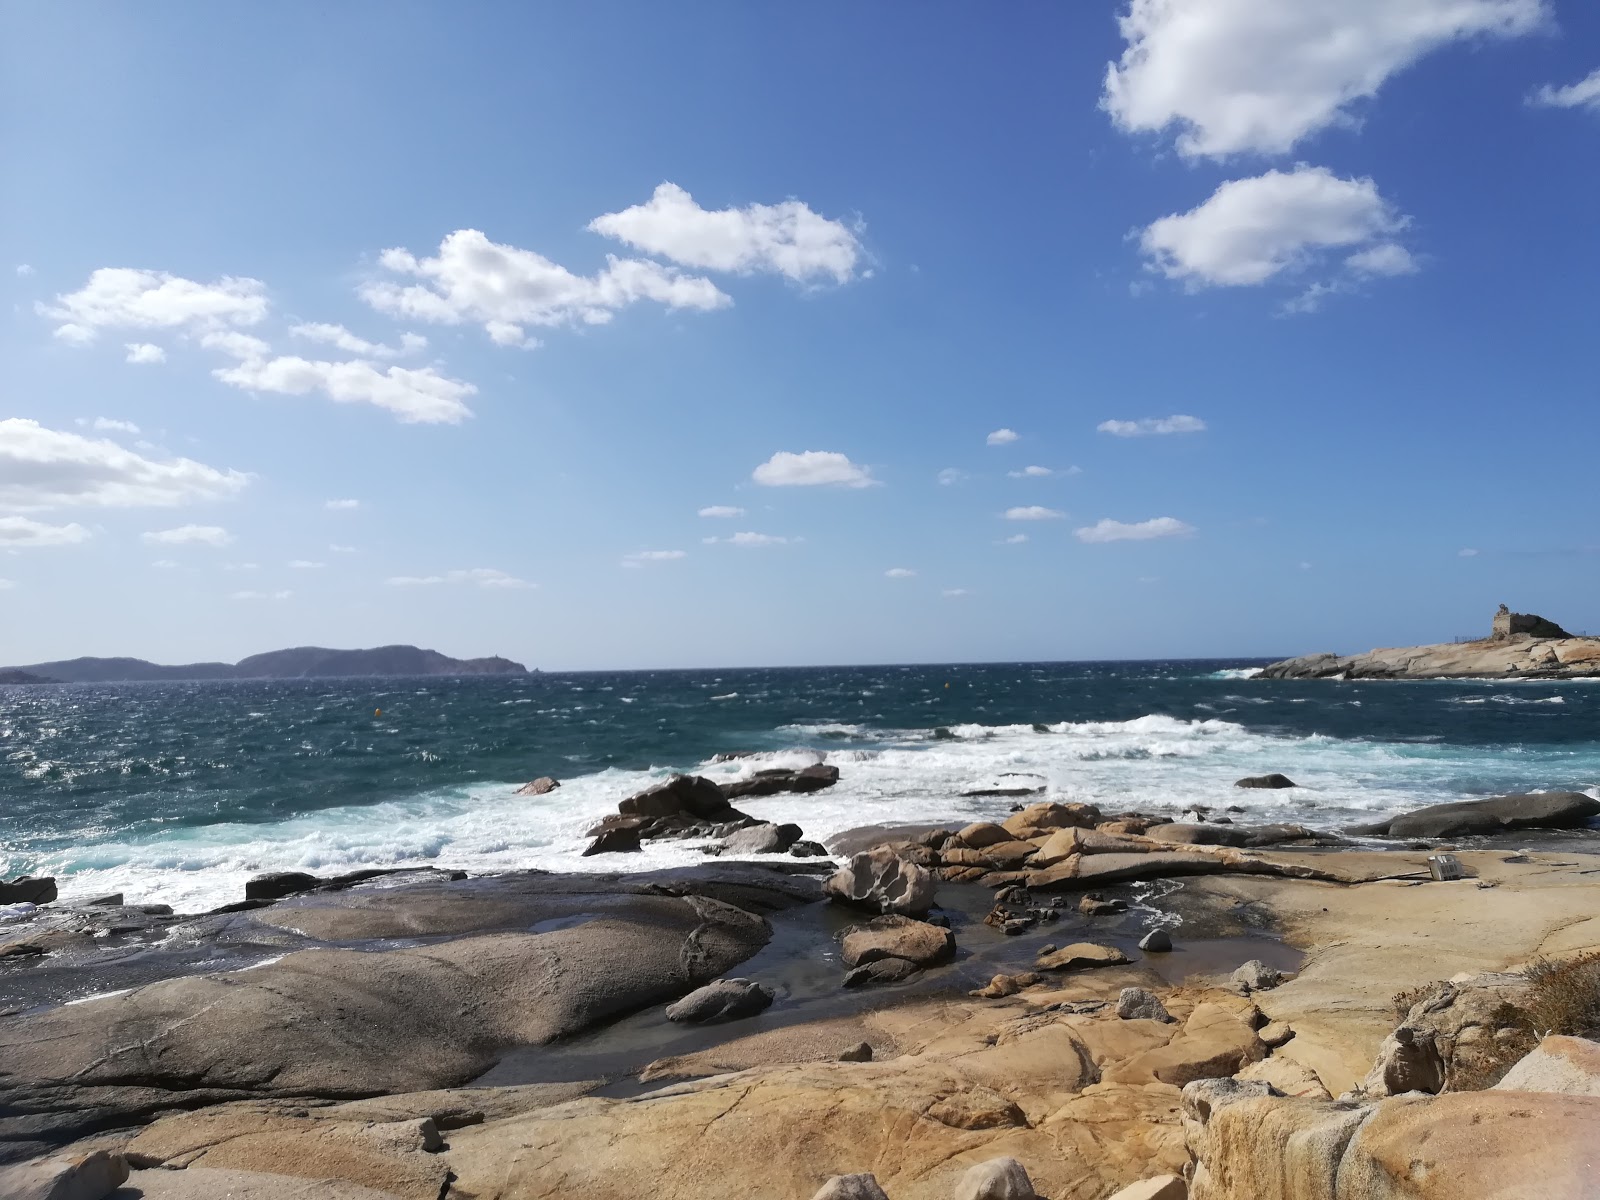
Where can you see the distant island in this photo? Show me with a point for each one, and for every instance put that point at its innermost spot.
(1519, 646)
(301, 662)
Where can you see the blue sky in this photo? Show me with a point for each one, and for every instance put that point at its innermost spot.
(1352, 252)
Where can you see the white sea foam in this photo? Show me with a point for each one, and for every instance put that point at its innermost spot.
(1152, 763)
(1237, 673)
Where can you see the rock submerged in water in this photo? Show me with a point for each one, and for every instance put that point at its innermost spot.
(724, 1000)
(1157, 941)
(539, 787)
(619, 840)
(761, 839)
(1273, 780)
(1079, 956)
(918, 942)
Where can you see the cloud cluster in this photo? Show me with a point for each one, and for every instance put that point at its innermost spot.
(126, 298)
(190, 535)
(786, 239)
(1033, 512)
(340, 337)
(644, 557)
(506, 288)
(748, 540)
(44, 468)
(1140, 531)
(18, 533)
(721, 511)
(1251, 230)
(1153, 426)
(1002, 437)
(1237, 76)
(1583, 94)
(415, 395)
(812, 468)
(484, 577)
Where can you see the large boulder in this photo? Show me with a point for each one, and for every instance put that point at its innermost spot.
(892, 936)
(1455, 1036)
(724, 1000)
(618, 840)
(692, 796)
(27, 890)
(69, 1177)
(997, 1179)
(1536, 810)
(1274, 780)
(881, 880)
(538, 787)
(761, 839)
(783, 779)
(1566, 1065)
(275, 885)
(850, 1187)
(1079, 956)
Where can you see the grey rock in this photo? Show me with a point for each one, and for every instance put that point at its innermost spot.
(850, 1187)
(1157, 941)
(880, 879)
(724, 1000)
(1538, 810)
(1137, 1004)
(762, 839)
(860, 1052)
(1273, 780)
(277, 884)
(1255, 976)
(805, 849)
(614, 841)
(681, 795)
(881, 970)
(997, 1179)
(1098, 906)
(539, 787)
(28, 890)
(783, 779)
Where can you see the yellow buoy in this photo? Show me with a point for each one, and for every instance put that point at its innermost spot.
(377, 712)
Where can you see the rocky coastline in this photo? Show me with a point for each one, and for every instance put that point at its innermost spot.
(1061, 1002)
(1519, 646)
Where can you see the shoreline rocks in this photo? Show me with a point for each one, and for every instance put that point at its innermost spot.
(1497, 814)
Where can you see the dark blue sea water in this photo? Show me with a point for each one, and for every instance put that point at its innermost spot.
(178, 792)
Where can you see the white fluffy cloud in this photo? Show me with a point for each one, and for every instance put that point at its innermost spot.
(899, 573)
(787, 239)
(283, 595)
(22, 533)
(652, 556)
(1251, 230)
(1141, 531)
(1033, 512)
(952, 475)
(418, 395)
(721, 511)
(484, 577)
(1250, 75)
(341, 505)
(125, 298)
(749, 539)
(1002, 437)
(1583, 94)
(145, 353)
(339, 336)
(1031, 473)
(1152, 426)
(190, 535)
(110, 425)
(48, 468)
(504, 288)
(812, 468)
(235, 344)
